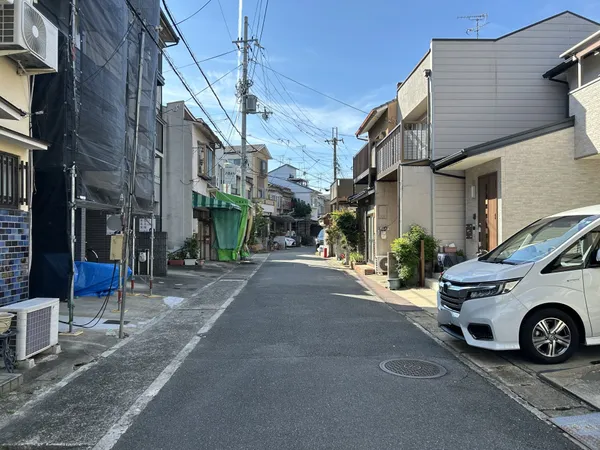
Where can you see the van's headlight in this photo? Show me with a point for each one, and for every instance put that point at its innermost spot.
(491, 289)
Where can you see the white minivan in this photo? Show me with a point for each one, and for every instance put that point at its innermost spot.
(538, 291)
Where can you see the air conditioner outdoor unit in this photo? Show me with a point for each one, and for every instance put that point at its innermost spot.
(381, 265)
(36, 322)
(28, 38)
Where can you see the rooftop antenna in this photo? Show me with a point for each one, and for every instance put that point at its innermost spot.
(480, 22)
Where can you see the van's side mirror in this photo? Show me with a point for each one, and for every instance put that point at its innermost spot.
(597, 261)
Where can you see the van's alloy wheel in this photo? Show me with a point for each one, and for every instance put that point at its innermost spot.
(549, 336)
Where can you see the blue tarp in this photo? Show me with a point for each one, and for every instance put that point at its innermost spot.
(96, 278)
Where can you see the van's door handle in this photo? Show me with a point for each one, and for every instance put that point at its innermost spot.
(573, 279)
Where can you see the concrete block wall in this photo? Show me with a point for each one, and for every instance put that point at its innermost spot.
(14, 256)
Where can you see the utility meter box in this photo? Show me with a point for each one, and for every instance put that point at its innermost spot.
(251, 102)
(116, 247)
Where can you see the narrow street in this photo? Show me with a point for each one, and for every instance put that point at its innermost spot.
(294, 363)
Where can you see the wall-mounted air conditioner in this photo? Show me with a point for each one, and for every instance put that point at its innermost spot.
(36, 322)
(381, 265)
(27, 37)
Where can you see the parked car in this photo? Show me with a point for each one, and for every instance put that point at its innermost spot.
(290, 242)
(539, 291)
(320, 239)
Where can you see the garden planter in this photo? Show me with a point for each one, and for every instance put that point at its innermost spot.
(201, 262)
(176, 262)
(394, 284)
(189, 262)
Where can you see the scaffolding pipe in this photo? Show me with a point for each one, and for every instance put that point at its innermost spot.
(131, 187)
(151, 262)
(73, 238)
(133, 255)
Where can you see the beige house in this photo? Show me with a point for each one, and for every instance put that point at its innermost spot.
(463, 96)
(513, 181)
(16, 145)
(257, 173)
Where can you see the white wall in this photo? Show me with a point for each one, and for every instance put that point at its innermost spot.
(386, 215)
(199, 185)
(177, 189)
(449, 210)
(484, 89)
(415, 197)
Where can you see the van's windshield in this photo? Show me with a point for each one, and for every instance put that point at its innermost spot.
(538, 240)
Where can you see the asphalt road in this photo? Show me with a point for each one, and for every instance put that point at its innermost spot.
(293, 363)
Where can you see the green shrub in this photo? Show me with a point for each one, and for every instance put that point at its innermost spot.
(357, 257)
(407, 250)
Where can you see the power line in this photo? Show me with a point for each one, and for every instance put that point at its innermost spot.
(204, 60)
(225, 20)
(189, 17)
(312, 89)
(189, 49)
(262, 29)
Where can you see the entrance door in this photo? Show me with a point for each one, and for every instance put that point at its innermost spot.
(370, 238)
(488, 211)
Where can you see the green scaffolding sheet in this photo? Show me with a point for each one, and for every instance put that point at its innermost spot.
(231, 228)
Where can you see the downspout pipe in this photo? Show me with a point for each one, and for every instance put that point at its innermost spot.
(562, 82)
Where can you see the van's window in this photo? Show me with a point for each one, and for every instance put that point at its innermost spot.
(538, 239)
(577, 254)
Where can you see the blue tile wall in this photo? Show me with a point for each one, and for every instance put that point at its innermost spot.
(14, 256)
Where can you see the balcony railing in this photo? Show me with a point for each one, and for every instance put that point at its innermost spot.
(389, 149)
(406, 142)
(416, 141)
(361, 162)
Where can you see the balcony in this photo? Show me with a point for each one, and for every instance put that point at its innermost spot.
(361, 164)
(406, 142)
(267, 205)
(341, 189)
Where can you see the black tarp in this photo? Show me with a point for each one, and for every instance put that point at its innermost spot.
(88, 116)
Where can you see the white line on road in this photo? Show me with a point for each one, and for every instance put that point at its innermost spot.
(113, 435)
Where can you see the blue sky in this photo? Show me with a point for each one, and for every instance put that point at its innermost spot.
(352, 50)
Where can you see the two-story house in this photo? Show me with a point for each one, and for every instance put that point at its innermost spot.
(190, 173)
(514, 180)
(339, 192)
(377, 198)
(462, 95)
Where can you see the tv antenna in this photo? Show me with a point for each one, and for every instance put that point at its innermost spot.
(480, 22)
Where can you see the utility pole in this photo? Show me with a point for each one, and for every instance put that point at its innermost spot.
(244, 88)
(131, 188)
(334, 140)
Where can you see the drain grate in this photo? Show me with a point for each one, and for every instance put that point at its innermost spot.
(413, 368)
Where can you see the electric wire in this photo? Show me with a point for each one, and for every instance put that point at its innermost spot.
(204, 60)
(189, 17)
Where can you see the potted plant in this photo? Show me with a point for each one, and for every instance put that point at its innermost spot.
(356, 259)
(186, 255)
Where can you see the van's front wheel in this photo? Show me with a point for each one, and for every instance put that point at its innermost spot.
(549, 336)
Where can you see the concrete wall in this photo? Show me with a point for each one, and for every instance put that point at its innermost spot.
(539, 177)
(484, 90)
(386, 215)
(413, 92)
(179, 170)
(584, 104)
(471, 206)
(449, 210)
(415, 197)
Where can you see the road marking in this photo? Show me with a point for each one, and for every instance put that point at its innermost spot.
(113, 435)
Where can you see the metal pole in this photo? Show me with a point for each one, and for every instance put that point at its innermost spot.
(131, 187)
(133, 256)
(335, 164)
(73, 238)
(244, 93)
(152, 246)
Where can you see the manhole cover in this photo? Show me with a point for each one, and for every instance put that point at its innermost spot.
(412, 368)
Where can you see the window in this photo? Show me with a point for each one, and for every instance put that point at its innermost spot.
(159, 137)
(13, 181)
(209, 159)
(576, 255)
(260, 193)
(538, 240)
(263, 167)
